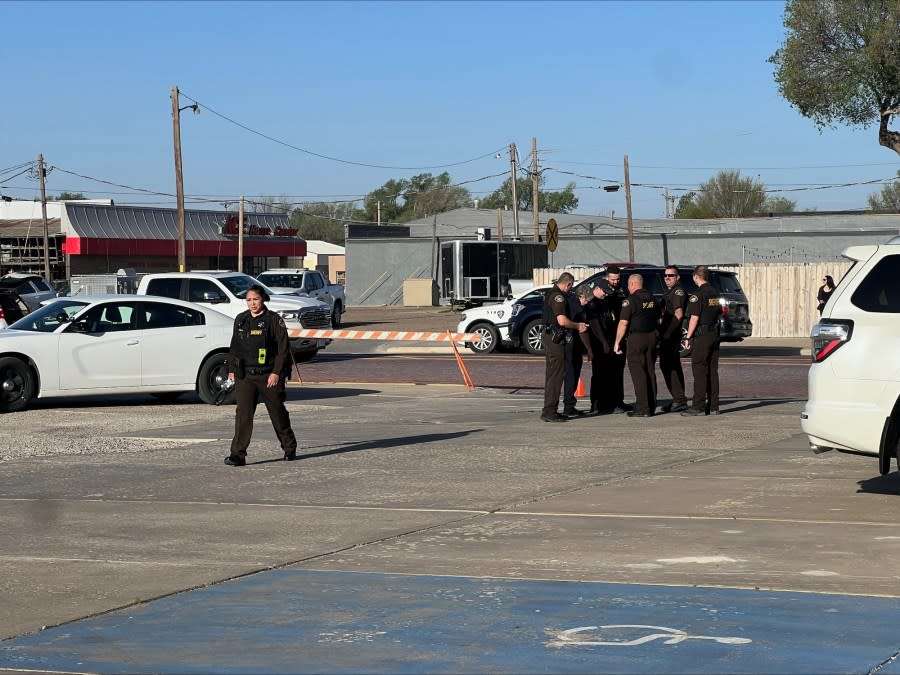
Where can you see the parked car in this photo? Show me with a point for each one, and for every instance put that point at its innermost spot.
(114, 344)
(491, 322)
(854, 379)
(12, 308)
(32, 288)
(526, 323)
(309, 283)
(225, 291)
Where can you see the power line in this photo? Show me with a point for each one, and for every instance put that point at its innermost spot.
(336, 159)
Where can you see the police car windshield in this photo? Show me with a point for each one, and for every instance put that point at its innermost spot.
(240, 284)
(47, 318)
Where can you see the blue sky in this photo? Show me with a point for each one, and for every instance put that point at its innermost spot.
(682, 88)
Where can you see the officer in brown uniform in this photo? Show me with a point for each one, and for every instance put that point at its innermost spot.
(640, 319)
(670, 340)
(259, 359)
(704, 310)
(615, 371)
(557, 329)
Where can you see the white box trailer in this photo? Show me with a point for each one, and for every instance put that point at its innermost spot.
(123, 281)
(475, 272)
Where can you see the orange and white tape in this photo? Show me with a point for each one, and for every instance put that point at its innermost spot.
(337, 334)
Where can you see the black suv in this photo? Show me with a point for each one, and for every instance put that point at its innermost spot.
(527, 322)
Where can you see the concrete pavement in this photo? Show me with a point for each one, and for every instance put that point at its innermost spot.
(427, 529)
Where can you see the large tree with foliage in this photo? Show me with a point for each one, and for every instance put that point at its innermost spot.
(322, 220)
(888, 200)
(66, 196)
(406, 199)
(560, 201)
(840, 63)
(729, 195)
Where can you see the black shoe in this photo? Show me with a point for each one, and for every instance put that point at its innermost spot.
(235, 460)
(593, 412)
(635, 413)
(554, 417)
(674, 407)
(290, 456)
(618, 410)
(573, 412)
(714, 412)
(692, 412)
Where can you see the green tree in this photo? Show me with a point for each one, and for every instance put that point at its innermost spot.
(322, 220)
(840, 63)
(269, 204)
(426, 195)
(888, 200)
(560, 201)
(66, 196)
(729, 195)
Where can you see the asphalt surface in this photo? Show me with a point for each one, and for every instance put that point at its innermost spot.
(431, 529)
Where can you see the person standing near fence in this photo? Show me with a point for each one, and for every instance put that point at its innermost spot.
(704, 310)
(670, 340)
(825, 291)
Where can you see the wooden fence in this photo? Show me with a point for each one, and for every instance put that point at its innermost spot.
(782, 295)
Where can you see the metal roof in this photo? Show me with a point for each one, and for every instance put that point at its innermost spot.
(133, 222)
(29, 227)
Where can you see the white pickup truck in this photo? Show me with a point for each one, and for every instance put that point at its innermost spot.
(310, 283)
(225, 291)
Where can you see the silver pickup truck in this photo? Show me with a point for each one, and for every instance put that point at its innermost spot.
(307, 283)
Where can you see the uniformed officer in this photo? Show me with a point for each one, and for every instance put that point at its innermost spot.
(704, 309)
(670, 340)
(615, 377)
(557, 324)
(640, 321)
(576, 350)
(259, 357)
(598, 317)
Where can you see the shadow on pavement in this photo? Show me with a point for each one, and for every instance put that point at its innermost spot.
(750, 405)
(881, 485)
(388, 443)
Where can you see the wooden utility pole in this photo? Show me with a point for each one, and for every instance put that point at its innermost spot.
(43, 174)
(628, 212)
(240, 265)
(179, 181)
(535, 210)
(515, 199)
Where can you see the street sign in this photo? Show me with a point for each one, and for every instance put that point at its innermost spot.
(552, 235)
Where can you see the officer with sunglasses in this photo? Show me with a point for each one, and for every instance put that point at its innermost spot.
(670, 340)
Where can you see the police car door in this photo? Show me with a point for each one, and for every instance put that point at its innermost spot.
(101, 349)
(175, 342)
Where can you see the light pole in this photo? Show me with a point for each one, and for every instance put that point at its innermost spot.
(179, 182)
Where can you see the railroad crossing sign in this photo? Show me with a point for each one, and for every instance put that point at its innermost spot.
(552, 235)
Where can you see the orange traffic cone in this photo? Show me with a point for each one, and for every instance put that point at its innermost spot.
(579, 390)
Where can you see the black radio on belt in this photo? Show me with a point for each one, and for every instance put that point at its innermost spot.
(240, 370)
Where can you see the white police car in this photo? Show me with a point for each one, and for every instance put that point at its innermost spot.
(854, 380)
(491, 322)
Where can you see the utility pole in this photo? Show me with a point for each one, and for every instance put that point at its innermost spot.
(515, 199)
(535, 210)
(240, 261)
(379, 212)
(628, 212)
(499, 224)
(42, 174)
(179, 182)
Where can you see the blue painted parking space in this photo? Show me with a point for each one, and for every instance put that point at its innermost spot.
(303, 621)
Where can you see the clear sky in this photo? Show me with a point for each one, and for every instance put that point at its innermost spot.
(682, 88)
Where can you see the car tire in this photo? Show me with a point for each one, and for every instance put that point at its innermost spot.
(303, 357)
(487, 340)
(888, 449)
(17, 384)
(533, 337)
(684, 350)
(213, 374)
(336, 315)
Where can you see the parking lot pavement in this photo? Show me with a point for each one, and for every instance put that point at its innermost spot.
(428, 529)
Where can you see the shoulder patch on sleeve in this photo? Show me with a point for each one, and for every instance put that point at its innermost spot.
(625, 303)
(693, 298)
(558, 298)
(280, 321)
(679, 292)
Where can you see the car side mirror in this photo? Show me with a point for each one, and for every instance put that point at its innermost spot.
(62, 317)
(78, 326)
(212, 297)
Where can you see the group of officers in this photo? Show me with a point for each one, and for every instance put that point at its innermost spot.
(611, 328)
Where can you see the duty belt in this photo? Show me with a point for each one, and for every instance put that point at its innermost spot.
(703, 330)
(258, 370)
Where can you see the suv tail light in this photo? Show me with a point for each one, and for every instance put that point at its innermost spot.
(2, 314)
(827, 336)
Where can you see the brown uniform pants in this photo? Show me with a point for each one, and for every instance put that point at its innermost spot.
(705, 366)
(670, 365)
(554, 374)
(641, 358)
(247, 392)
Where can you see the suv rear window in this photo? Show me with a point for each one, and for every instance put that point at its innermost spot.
(880, 290)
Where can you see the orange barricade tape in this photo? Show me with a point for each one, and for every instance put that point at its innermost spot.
(338, 334)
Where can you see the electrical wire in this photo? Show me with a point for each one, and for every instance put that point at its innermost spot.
(336, 159)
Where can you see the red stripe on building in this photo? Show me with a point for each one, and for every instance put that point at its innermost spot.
(274, 247)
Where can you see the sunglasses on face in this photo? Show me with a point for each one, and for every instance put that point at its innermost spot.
(670, 276)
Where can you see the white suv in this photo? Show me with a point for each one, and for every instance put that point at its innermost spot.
(854, 381)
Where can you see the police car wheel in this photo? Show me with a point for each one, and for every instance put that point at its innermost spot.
(888, 450)
(213, 374)
(16, 384)
(487, 338)
(533, 337)
(336, 315)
